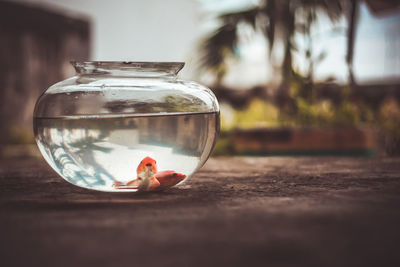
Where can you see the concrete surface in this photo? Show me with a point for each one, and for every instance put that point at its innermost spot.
(233, 212)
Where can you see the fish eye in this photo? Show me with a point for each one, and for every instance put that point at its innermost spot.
(174, 174)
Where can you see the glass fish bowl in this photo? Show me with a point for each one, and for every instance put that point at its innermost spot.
(126, 126)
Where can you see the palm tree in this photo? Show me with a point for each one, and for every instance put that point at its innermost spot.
(269, 17)
(353, 19)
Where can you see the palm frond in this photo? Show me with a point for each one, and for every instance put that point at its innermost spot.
(332, 8)
(215, 46)
(246, 16)
(223, 41)
(269, 11)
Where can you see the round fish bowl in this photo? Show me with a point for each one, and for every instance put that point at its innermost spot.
(126, 126)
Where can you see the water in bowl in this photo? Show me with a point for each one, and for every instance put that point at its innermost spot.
(98, 150)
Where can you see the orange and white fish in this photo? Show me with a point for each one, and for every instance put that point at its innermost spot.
(169, 178)
(148, 179)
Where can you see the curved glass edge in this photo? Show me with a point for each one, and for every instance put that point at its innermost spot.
(128, 68)
(100, 98)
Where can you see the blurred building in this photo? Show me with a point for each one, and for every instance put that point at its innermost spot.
(36, 45)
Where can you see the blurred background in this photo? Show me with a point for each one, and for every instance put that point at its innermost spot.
(293, 77)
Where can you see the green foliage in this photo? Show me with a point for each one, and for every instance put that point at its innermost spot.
(224, 146)
(321, 113)
(324, 114)
(259, 113)
(389, 126)
(317, 113)
(389, 115)
(312, 114)
(311, 111)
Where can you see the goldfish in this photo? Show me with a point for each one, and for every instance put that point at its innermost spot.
(148, 179)
(169, 178)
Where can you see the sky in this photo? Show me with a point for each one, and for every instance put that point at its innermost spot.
(157, 30)
(377, 51)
